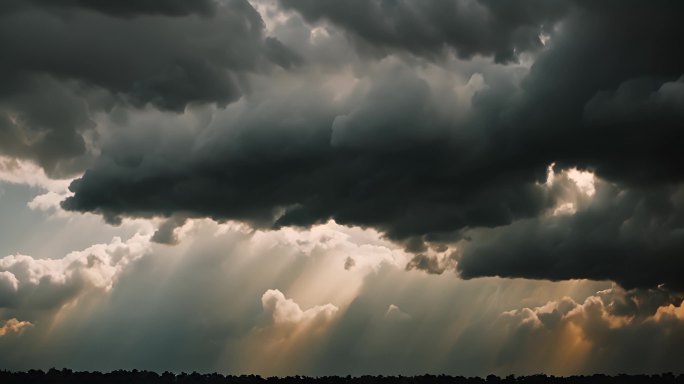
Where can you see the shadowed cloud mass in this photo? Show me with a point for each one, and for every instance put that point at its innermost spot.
(64, 63)
(424, 162)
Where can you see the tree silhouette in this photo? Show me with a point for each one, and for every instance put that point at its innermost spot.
(63, 376)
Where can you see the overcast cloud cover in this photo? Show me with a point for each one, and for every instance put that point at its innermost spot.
(323, 186)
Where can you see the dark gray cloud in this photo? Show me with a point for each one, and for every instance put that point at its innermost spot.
(390, 163)
(74, 63)
(606, 55)
(167, 62)
(638, 303)
(166, 233)
(349, 263)
(44, 120)
(393, 147)
(143, 300)
(125, 8)
(633, 237)
(428, 28)
(435, 265)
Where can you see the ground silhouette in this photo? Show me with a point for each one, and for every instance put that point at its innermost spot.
(55, 376)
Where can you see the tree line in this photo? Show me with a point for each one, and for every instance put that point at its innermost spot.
(55, 376)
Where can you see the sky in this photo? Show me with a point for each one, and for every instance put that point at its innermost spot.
(322, 187)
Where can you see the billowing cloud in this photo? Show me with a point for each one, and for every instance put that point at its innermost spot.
(388, 155)
(26, 282)
(168, 231)
(428, 28)
(584, 329)
(13, 326)
(293, 158)
(16, 171)
(283, 310)
(430, 264)
(65, 63)
(230, 299)
(131, 8)
(224, 271)
(530, 148)
(633, 237)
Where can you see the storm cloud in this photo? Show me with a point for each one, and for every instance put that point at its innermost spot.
(126, 7)
(342, 187)
(434, 123)
(63, 63)
(633, 237)
(428, 28)
(426, 163)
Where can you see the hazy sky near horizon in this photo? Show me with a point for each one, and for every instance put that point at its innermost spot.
(342, 187)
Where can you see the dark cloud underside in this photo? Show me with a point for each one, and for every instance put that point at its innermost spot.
(492, 28)
(633, 237)
(126, 8)
(166, 57)
(604, 92)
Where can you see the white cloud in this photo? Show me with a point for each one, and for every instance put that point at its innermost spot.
(52, 282)
(572, 189)
(50, 202)
(284, 310)
(584, 180)
(24, 172)
(367, 246)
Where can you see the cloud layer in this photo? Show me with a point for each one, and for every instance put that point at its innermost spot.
(65, 63)
(280, 302)
(397, 142)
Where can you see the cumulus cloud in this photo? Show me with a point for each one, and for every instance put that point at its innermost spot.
(387, 325)
(388, 154)
(585, 329)
(27, 282)
(76, 303)
(47, 201)
(83, 62)
(8, 283)
(306, 175)
(132, 8)
(428, 28)
(14, 326)
(283, 310)
(632, 237)
(16, 171)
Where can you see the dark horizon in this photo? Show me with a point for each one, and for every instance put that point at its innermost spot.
(148, 377)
